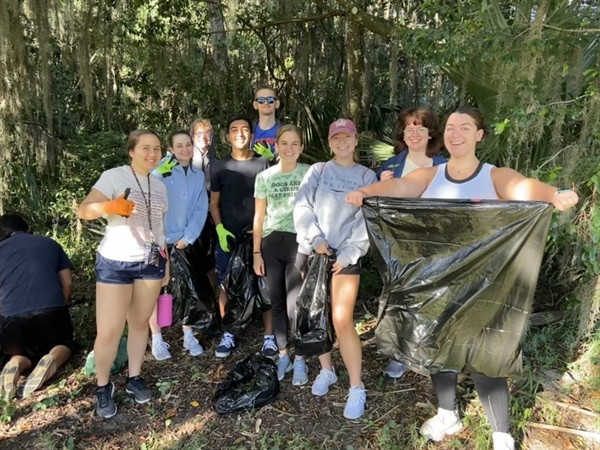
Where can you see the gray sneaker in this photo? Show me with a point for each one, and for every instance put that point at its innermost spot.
(284, 365)
(137, 387)
(300, 375)
(105, 405)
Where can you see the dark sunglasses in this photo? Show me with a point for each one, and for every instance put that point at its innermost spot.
(263, 100)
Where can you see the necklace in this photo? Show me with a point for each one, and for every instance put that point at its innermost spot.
(147, 201)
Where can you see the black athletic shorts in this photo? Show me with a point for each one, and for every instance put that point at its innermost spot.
(34, 334)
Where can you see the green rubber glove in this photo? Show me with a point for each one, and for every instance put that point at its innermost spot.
(166, 168)
(264, 150)
(224, 235)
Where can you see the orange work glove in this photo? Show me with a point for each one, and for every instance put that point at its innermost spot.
(120, 206)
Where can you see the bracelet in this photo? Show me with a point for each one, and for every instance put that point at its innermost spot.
(256, 253)
(562, 191)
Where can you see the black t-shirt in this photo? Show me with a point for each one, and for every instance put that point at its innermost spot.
(234, 179)
(29, 266)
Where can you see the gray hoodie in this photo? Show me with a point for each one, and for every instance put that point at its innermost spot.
(322, 214)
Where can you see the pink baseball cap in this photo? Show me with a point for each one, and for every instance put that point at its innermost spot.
(341, 126)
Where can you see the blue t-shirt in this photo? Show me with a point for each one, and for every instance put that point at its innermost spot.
(29, 266)
(266, 137)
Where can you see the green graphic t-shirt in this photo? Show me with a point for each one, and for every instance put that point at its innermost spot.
(280, 191)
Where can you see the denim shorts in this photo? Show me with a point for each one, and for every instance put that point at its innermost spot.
(126, 272)
(221, 260)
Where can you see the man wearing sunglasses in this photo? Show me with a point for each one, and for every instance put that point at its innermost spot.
(263, 142)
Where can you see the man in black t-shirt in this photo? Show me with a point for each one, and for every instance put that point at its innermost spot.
(232, 209)
(35, 326)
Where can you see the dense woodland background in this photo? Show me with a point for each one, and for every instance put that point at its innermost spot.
(78, 75)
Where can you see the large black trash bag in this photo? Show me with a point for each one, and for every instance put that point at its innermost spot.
(312, 329)
(459, 279)
(245, 296)
(194, 303)
(252, 383)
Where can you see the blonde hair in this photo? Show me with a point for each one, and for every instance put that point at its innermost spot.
(285, 129)
(200, 123)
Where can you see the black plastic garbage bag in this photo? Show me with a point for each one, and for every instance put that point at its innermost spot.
(246, 292)
(459, 279)
(193, 304)
(251, 384)
(312, 329)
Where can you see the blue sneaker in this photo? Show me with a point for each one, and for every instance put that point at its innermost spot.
(284, 365)
(225, 346)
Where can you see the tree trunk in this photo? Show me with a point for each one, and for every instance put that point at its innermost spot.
(355, 67)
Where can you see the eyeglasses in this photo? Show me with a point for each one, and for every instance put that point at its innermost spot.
(201, 134)
(420, 130)
(263, 100)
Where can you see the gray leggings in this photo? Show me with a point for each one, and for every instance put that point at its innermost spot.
(493, 395)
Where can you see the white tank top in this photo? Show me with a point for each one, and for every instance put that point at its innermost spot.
(478, 186)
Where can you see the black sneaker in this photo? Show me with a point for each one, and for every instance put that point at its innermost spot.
(105, 405)
(225, 346)
(136, 387)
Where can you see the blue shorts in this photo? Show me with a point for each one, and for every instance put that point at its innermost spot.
(126, 272)
(221, 260)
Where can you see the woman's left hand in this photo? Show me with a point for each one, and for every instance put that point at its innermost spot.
(337, 268)
(565, 199)
(167, 277)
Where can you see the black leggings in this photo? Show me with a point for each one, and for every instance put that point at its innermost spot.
(283, 280)
(493, 395)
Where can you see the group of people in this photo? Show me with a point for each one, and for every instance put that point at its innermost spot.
(155, 205)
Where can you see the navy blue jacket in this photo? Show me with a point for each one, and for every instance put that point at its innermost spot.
(398, 161)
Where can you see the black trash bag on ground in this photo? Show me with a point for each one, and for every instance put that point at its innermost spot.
(245, 295)
(312, 329)
(193, 304)
(251, 384)
(459, 279)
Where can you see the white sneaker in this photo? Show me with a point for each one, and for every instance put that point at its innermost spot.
(300, 375)
(355, 406)
(160, 350)
(325, 379)
(395, 369)
(443, 424)
(503, 441)
(192, 345)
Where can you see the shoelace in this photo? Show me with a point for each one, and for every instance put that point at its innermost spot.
(270, 343)
(103, 395)
(356, 396)
(138, 383)
(163, 346)
(227, 341)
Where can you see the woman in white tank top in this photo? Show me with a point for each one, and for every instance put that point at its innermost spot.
(465, 177)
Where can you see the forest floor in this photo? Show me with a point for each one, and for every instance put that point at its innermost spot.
(181, 416)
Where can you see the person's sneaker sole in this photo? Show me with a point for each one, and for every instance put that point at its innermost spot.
(8, 380)
(440, 436)
(222, 354)
(193, 354)
(36, 378)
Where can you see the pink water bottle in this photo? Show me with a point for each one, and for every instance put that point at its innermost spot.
(165, 308)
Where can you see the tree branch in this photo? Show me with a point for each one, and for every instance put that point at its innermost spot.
(372, 23)
(569, 30)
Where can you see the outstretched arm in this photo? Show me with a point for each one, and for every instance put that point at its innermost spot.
(511, 185)
(411, 186)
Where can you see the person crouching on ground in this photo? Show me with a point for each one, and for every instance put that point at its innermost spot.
(35, 325)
